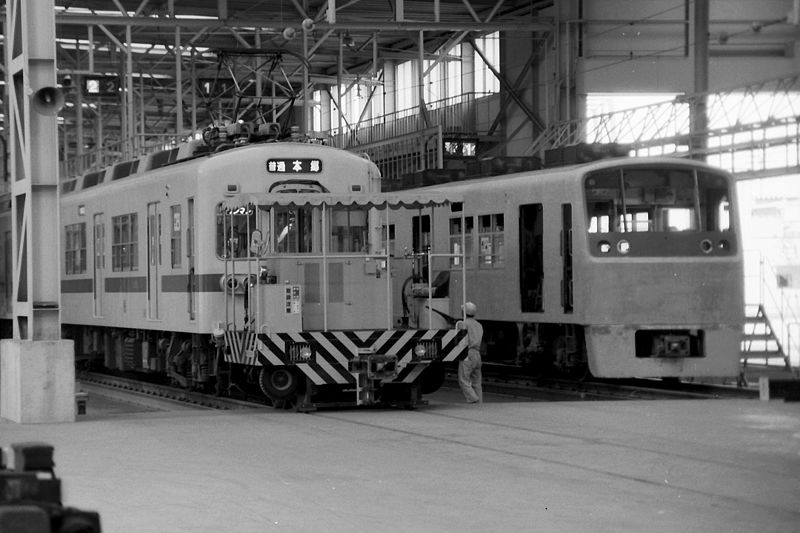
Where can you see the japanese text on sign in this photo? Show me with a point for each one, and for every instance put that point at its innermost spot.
(294, 166)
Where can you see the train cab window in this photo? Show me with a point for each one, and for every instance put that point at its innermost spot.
(293, 230)
(469, 241)
(233, 232)
(656, 199)
(491, 240)
(349, 230)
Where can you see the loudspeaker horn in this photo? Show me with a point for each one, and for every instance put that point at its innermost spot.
(289, 33)
(48, 101)
(308, 25)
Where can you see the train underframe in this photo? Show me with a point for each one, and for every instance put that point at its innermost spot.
(201, 362)
(187, 360)
(541, 349)
(562, 350)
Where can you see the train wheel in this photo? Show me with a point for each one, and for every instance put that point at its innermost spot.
(571, 365)
(432, 379)
(279, 384)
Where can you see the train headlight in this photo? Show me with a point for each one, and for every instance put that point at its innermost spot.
(604, 247)
(299, 352)
(623, 247)
(724, 245)
(426, 350)
(706, 246)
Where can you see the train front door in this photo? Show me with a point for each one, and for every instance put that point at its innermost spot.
(99, 247)
(153, 259)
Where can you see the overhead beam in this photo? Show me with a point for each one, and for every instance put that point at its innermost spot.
(535, 25)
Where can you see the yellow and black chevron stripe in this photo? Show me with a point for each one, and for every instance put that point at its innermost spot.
(242, 346)
(332, 351)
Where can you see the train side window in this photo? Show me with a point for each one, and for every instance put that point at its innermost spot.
(125, 243)
(75, 248)
(420, 233)
(469, 241)
(388, 247)
(491, 240)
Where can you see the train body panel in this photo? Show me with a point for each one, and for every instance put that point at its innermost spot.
(629, 267)
(156, 292)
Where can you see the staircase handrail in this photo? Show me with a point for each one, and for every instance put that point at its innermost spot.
(777, 305)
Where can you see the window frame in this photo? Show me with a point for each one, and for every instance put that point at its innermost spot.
(125, 243)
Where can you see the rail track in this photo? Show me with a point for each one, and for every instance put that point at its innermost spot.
(500, 381)
(162, 391)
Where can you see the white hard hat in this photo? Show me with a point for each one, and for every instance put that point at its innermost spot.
(469, 308)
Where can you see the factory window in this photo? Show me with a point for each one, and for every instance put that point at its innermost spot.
(175, 236)
(491, 241)
(75, 248)
(485, 80)
(124, 247)
(469, 241)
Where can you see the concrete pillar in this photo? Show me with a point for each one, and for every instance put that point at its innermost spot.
(37, 381)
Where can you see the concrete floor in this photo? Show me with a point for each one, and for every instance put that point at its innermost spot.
(677, 465)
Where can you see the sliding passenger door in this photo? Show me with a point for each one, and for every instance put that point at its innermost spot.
(192, 282)
(566, 258)
(153, 259)
(99, 251)
(531, 258)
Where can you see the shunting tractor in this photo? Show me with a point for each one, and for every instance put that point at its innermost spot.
(321, 316)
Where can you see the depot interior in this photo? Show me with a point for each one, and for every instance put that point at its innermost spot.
(478, 86)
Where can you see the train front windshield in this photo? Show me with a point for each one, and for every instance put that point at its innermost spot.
(659, 210)
(289, 230)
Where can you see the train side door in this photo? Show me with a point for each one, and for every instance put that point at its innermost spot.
(99, 250)
(531, 258)
(153, 259)
(566, 258)
(192, 281)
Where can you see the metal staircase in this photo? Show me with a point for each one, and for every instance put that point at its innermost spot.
(760, 340)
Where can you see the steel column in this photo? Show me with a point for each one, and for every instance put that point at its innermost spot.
(33, 104)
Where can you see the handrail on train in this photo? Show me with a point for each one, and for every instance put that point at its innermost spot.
(380, 201)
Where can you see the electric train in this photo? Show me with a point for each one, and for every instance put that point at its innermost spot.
(244, 265)
(624, 267)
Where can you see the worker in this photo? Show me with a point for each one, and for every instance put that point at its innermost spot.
(469, 369)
